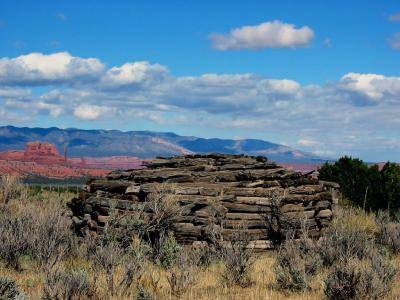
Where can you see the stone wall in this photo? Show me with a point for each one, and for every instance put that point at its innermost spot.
(235, 189)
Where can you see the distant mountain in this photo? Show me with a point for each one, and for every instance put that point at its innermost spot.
(143, 144)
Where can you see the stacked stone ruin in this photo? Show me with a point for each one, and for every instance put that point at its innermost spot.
(244, 191)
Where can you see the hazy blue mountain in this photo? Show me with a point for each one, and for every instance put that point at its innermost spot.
(144, 144)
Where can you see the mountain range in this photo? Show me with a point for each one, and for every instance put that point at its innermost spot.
(144, 144)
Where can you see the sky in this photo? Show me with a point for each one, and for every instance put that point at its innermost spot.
(319, 76)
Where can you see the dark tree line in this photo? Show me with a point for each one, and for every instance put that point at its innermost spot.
(365, 186)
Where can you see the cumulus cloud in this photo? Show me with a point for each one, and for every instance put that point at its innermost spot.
(374, 87)
(357, 111)
(42, 69)
(394, 41)
(134, 75)
(89, 111)
(274, 34)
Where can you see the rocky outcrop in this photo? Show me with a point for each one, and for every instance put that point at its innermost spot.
(43, 152)
(44, 160)
(227, 191)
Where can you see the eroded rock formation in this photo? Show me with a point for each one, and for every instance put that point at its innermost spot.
(235, 190)
(43, 152)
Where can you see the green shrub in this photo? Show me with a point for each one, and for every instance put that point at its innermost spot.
(182, 276)
(169, 251)
(341, 243)
(204, 256)
(11, 188)
(377, 279)
(52, 239)
(16, 231)
(106, 258)
(296, 264)
(237, 259)
(143, 293)
(355, 279)
(133, 265)
(9, 290)
(69, 284)
(342, 283)
(389, 232)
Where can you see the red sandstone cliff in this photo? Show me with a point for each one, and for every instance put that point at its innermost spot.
(43, 152)
(43, 159)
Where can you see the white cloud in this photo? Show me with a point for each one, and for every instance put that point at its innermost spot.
(358, 111)
(307, 142)
(7, 92)
(375, 87)
(274, 34)
(42, 69)
(363, 83)
(55, 110)
(394, 41)
(89, 111)
(134, 75)
(281, 86)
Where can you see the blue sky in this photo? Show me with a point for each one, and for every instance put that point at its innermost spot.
(321, 76)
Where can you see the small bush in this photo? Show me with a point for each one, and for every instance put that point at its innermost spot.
(292, 269)
(106, 258)
(169, 251)
(360, 279)
(69, 284)
(389, 232)
(9, 290)
(40, 231)
(182, 276)
(204, 256)
(143, 293)
(121, 227)
(342, 283)
(275, 221)
(133, 265)
(52, 240)
(237, 259)
(164, 210)
(152, 222)
(377, 279)
(15, 236)
(340, 243)
(10, 188)
(307, 249)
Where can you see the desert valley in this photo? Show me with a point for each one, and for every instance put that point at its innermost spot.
(44, 159)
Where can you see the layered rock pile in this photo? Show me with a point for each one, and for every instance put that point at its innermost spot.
(228, 191)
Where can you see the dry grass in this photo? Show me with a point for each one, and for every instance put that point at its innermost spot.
(208, 284)
(351, 218)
